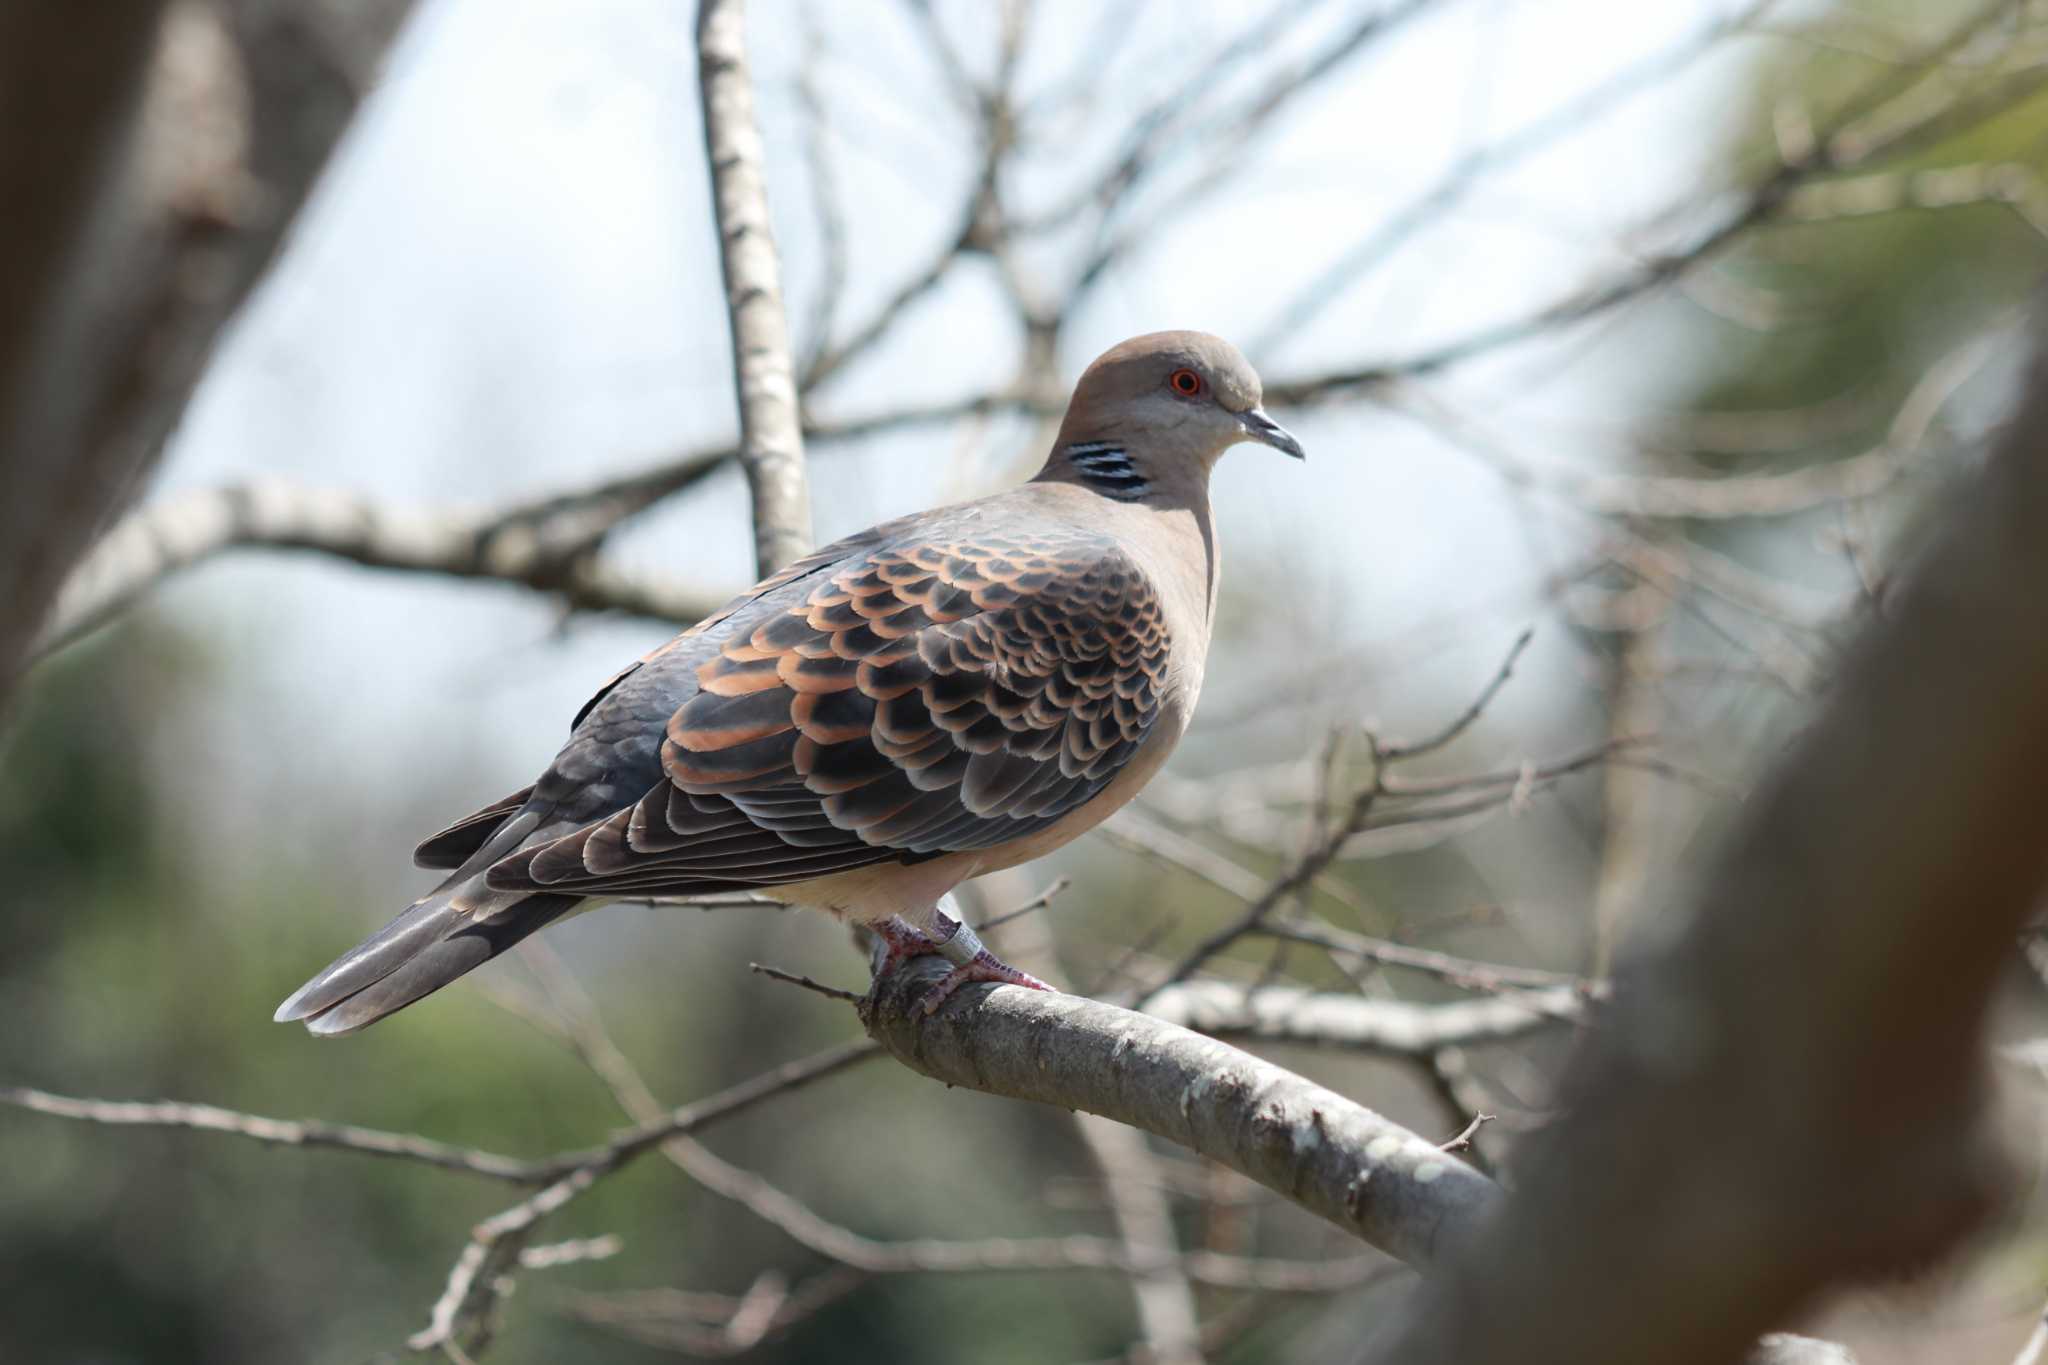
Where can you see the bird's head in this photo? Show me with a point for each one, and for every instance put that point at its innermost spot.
(1157, 411)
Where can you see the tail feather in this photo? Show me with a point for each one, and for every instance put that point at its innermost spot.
(424, 949)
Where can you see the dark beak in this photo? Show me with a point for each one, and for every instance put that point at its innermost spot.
(1267, 432)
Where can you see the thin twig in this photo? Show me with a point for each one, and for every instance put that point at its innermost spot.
(797, 979)
(474, 1282)
(278, 1132)
(1464, 1139)
(1392, 753)
(1038, 902)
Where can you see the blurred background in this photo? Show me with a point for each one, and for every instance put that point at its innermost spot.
(1650, 327)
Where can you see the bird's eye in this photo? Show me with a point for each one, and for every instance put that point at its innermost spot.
(1185, 383)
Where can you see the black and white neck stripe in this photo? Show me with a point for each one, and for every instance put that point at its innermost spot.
(1108, 469)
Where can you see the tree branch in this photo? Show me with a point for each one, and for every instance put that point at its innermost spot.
(764, 373)
(1287, 1014)
(182, 530)
(279, 1132)
(1337, 1159)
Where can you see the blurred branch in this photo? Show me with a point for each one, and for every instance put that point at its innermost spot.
(1466, 973)
(1223, 137)
(2036, 1344)
(185, 528)
(1861, 475)
(1338, 1160)
(1762, 1021)
(1470, 170)
(152, 169)
(1286, 1014)
(281, 1132)
(764, 372)
(605, 1157)
(1464, 720)
(1428, 802)
(546, 543)
(1135, 1185)
(1857, 136)
(481, 1276)
(1169, 1318)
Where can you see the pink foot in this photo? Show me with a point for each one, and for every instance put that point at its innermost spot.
(958, 944)
(902, 941)
(983, 966)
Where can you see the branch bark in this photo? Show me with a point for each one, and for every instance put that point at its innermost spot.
(1760, 1118)
(1340, 1161)
(764, 372)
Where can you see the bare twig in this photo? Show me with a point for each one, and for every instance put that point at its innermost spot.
(798, 979)
(1393, 753)
(1057, 887)
(764, 374)
(1357, 818)
(1287, 1014)
(1749, 496)
(406, 1146)
(1469, 171)
(1463, 1140)
(546, 543)
(187, 528)
(281, 1132)
(1464, 972)
(481, 1273)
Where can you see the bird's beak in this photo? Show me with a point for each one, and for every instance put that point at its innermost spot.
(1267, 432)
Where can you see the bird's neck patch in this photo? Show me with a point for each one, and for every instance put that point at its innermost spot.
(1108, 469)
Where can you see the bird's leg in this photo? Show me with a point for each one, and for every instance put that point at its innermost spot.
(961, 946)
(902, 941)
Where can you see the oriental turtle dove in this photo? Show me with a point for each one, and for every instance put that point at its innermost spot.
(944, 695)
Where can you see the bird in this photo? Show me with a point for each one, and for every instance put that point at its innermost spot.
(943, 695)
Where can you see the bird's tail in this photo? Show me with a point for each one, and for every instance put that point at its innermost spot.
(460, 926)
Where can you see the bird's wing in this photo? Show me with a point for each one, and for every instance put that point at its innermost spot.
(450, 848)
(932, 693)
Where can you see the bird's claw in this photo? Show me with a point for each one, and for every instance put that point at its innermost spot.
(983, 966)
(957, 943)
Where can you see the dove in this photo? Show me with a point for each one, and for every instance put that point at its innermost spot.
(944, 695)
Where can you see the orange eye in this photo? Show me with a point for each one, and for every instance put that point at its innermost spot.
(1185, 382)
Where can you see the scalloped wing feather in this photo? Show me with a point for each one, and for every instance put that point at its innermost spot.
(921, 697)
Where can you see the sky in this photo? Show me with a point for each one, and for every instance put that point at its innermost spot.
(507, 284)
